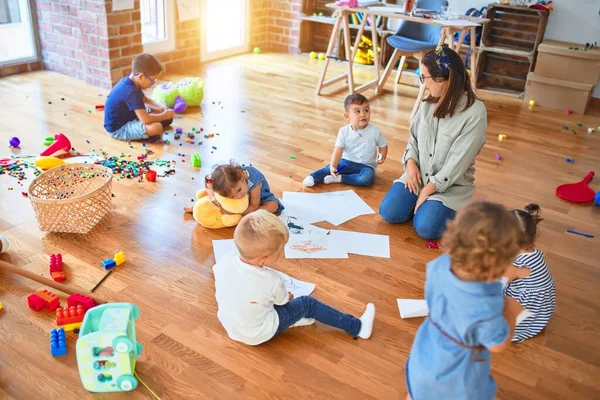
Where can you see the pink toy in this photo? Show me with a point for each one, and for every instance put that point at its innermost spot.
(348, 3)
(578, 192)
(60, 143)
(568, 111)
(432, 244)
(180, 105)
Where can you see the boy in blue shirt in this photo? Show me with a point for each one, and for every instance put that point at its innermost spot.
(128, 113)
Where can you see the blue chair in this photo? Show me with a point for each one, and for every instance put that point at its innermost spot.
(413, 39)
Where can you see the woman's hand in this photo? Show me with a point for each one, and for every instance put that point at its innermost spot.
(427, 191)
(413, 177)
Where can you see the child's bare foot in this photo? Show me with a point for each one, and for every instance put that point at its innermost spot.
(188, 209)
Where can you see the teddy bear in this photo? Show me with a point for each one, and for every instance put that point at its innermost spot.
(209, 215)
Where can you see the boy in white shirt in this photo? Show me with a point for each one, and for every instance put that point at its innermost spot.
(355, 156)
(253, 303)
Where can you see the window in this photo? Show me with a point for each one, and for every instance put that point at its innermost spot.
(158, 25)
(17, 42)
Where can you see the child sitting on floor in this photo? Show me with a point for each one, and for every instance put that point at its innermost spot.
(126, 112)
(235, 181)
(469, 318)
(354, 157)
(253, 303)
(530, 281)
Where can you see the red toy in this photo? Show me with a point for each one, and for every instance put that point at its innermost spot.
(85, 302)
(100, 107)
(71, 315)
(60, 143)
(151, 176)
(56, 268)
(432, 244)
(43, 298)
(578, 192)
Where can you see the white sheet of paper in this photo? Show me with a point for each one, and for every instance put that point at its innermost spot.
(344, 206)
(410, 308)
(188, 9)
(313, 246)
(389, 9)
(458, 23)
(120, 5)
(365, 244)
(222, 247)
(524, 315)
(297, 226)
(303, 206)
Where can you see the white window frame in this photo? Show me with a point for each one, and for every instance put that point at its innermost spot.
(244, 48)
(25, 13)
(164, 46)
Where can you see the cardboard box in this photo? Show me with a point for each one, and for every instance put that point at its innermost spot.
(559, 94)
(556, 61)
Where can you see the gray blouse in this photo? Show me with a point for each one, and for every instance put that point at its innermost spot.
(445, 150)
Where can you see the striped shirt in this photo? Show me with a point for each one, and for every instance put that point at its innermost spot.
(536, 293)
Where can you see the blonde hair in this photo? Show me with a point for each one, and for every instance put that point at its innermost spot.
(260, 234)
(483, 240)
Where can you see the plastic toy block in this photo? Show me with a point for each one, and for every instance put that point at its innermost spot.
(120, 258)
(43, 298)
(75, 300)
(35, 302)
(151, 176)
(190, 135)
(56, 262)
(69, 315)
(71, 327)
(109, 263)
(179, 130)
(1, 306)
(58, 342)
(58, 276)
(432, 244)
(196, 160)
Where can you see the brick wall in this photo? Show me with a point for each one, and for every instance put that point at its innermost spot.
(85, 39)
(19, 68)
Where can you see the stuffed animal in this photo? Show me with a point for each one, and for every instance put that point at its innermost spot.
(209, 215)
(191, 90)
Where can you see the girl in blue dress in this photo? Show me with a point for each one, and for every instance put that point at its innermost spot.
(235, 181)
(469, 318)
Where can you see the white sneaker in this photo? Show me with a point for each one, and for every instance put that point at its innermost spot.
(303, 322)
(309, 181)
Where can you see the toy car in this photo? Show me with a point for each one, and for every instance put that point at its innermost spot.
(107, 349)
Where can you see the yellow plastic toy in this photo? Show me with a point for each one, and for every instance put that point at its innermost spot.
(48, 162)
(312, 55)
(209, 215)
(364, 54)
(321, 56)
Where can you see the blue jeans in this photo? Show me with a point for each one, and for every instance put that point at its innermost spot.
(398, 206)
(309, 307)
(353, 173)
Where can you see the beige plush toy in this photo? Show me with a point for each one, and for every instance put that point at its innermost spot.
(209, 215)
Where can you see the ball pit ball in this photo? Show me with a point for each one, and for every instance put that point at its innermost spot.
(531, 103)
(14, 142)
(312, 55)
(321, 56)
(256, 50)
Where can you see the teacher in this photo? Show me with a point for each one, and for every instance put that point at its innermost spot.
(446, 135)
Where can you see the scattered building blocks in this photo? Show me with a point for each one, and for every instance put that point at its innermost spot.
(58, 342)
(109, 263)
(69, 318)
(119, 258)
(43, 298)
(85, 302)
(196, 160)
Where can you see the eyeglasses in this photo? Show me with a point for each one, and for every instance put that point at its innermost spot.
(153, 81)
(423, 77)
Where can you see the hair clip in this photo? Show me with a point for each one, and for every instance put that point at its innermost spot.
(442, 59)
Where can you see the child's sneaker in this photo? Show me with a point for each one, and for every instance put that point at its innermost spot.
(303, 322)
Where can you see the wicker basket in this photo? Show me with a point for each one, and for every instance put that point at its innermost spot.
(71, 198)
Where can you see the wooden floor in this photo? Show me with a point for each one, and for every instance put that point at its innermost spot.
(168, 275)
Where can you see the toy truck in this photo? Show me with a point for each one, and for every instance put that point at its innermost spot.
(107, 349)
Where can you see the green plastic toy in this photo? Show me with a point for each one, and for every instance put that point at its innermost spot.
(107, 349)
(191, 91)
(196, 160)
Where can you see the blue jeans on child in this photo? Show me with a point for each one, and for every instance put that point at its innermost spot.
(398, 206)
(353, 173)
(136, 130)
(309, 307)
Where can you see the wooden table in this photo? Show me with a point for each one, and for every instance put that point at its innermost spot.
(449, 27)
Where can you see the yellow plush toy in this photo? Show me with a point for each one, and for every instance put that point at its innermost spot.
(209, 215)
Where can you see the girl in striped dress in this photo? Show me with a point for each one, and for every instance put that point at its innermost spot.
(530, 281)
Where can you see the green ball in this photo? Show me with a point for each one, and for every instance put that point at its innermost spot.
(256, 50)
(166, 93)
(191, 90)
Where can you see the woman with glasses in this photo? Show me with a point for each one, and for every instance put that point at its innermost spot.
(446, 135)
